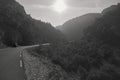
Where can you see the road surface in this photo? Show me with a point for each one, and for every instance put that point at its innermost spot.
(11, 64)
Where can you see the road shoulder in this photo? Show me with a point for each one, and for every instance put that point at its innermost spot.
(41, 68)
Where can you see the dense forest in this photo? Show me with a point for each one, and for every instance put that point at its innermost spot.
(19, 28)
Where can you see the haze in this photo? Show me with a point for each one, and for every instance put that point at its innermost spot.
(50, 11)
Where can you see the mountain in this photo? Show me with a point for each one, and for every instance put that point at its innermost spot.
(19, 28)
(74, 28)
(107, 28)
(96, 56)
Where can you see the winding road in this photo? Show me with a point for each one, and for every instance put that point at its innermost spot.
(11, 64)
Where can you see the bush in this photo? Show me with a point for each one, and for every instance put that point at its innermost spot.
(82, 58)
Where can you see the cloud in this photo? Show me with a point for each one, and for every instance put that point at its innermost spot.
(71, 3)
(40, 6)
(81, 3)
(40, 9)
(36, 2)
(91, 3)
(36, 7)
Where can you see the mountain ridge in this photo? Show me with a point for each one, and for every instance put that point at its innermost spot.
(19, 28)
(76, 26)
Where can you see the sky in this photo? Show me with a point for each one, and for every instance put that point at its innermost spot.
(57, 12)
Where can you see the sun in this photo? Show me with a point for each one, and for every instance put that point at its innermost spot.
(59, 6)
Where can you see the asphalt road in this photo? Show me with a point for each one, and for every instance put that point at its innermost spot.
(11, 64)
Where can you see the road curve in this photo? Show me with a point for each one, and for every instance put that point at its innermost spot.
(11, 65)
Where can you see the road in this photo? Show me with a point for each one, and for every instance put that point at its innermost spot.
(11, 64)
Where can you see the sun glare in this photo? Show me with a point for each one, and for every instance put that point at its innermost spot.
(59, 6)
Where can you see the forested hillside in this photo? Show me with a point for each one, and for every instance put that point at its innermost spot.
(19, 28)
(74, 28)
(107, 28)
(95, 56)
(93, 50)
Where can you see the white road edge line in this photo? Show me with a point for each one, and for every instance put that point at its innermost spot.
(20, 54)
(21, 65)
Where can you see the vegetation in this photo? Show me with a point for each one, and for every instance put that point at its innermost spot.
(96, 56)
(89, 60)
(93, 56)
(19, 28)
(76, 26)
(107, 28)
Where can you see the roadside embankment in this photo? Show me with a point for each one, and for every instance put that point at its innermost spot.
(39, 67)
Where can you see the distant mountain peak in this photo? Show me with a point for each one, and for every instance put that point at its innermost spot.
(111, 9)
(76, 26)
